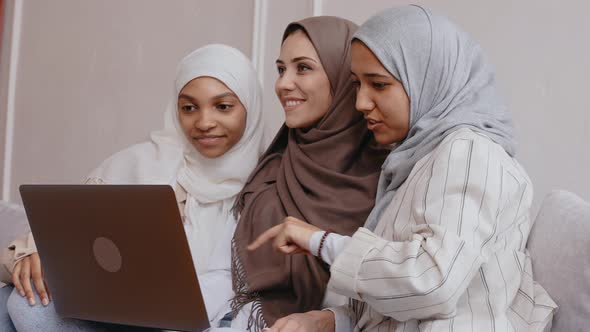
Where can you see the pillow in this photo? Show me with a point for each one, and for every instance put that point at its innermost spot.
(560, 250)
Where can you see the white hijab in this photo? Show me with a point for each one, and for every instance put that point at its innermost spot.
(211, 184)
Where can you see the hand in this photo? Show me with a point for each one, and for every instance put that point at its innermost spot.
(25, 270)
(307, 322)
(290, 237)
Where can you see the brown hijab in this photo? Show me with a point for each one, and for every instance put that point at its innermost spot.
(325, 175)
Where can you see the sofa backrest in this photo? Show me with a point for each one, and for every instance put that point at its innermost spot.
(560, 250)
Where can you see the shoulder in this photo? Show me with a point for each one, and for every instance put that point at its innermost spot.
(469, 164)
(129, 155)
(477, 156)
(471, 144)
(137, 163)
(465, 135)
(467, 148)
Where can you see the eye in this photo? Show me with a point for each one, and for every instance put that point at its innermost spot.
(356, 83)
(188, 108)
(280, 70)
(303, 67)
(224, 107)
(379, 85)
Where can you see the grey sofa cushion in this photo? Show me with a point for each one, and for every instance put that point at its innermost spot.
(560, 249)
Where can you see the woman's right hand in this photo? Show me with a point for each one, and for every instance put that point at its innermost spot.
(290, 237)
(25, 270)
(311, 321)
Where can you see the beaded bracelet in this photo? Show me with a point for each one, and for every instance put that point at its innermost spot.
(322, 243)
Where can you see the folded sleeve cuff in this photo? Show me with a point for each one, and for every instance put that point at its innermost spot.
(314, 242)
(21, 248)
(344, 271)
(342, 318)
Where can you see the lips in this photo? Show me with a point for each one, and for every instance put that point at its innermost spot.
(292, 103)
(208, 140)
(373, 124)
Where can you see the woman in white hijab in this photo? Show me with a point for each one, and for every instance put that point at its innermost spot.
(210, 143)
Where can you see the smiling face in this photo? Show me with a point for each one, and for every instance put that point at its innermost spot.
(303, 86)
(211, 116)
(379, 96)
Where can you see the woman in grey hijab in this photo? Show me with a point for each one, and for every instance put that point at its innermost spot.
(445, 246)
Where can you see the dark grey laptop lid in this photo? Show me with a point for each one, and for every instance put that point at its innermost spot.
(116, 253)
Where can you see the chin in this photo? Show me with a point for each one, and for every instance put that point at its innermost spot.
(292, 123)
(296, 122)
(211, 154)
(383, 140)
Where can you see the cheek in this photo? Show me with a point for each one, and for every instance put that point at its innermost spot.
(396, 110)
(321, 97)
(404, 113)
(276, 86)
(322, 89)
(236, 125)
(186, 123)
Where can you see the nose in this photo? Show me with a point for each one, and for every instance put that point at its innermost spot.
(364, 103)
(285, 82)
(205, 121)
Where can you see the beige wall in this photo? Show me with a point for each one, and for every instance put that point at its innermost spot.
(4, 68)
(540, 51)
(94, 75)
(280, 13)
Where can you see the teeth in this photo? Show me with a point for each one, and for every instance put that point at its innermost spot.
(293, 102)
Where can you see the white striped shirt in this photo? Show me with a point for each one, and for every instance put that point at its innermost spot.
(449, 251)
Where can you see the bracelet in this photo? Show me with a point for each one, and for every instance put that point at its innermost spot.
(322, 243)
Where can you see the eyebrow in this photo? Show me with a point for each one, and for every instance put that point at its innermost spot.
(371, 75)
(225, 94)
(185, 96)
(219, 96)
(299, 58)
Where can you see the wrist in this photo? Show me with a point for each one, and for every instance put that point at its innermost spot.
(314, 241)
(321, 245)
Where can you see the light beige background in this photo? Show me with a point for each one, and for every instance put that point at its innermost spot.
(4, 69)
(93, 76)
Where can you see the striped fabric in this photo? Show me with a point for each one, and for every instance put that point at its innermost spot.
(449, 252)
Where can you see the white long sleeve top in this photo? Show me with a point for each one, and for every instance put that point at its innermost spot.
(449, 252)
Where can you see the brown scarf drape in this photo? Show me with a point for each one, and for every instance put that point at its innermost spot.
(326, 175)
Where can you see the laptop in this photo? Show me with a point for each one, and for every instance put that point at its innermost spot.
(116, 254)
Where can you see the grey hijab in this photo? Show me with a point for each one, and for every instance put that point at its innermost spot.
(449, 82)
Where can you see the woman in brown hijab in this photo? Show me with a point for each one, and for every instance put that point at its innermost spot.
(321, 167)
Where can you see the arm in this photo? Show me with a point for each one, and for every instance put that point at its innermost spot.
(311, 321)
(455, 202)
(21, 249)
(16, 240)
(333, 245)
(23, 265)
(16, 251)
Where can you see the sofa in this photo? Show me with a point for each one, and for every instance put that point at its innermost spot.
(559, 245)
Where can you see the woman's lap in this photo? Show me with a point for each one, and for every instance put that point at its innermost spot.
(45, 318)
(5, 322)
